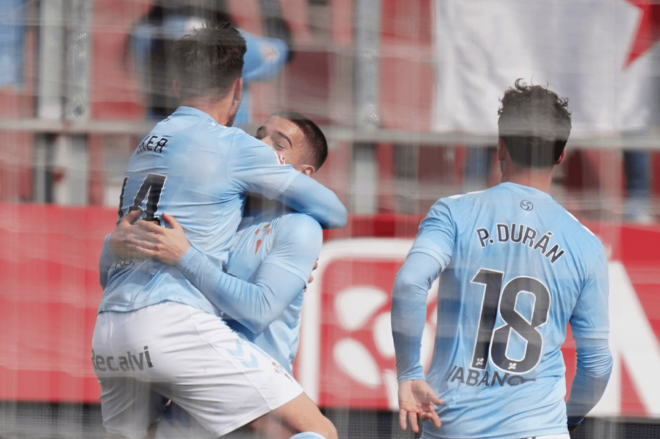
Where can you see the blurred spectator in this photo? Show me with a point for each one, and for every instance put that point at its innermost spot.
(477, 167)
(152, 37)
(11, 42)
(638, 206)
(636, 168)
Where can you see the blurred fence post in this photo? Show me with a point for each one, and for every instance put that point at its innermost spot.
(61, 161)
(367, 24)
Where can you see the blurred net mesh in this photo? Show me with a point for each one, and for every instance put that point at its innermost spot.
(82, 82)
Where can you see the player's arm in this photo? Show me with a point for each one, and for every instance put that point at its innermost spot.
(254, 167)
(590, 327)
(430, 254)
(105, 262)
(264, 58)
(120, 244)
(279, 280)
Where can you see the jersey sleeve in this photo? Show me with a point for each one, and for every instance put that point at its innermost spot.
(265, 57)
(297, 245)
(590, 319)
(436, 234)
(254, 305)
(409, 295)
(594, 365)
(255, 167)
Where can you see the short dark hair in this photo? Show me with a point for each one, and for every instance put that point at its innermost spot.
(209, 59)
(534, 125)
(314, 137)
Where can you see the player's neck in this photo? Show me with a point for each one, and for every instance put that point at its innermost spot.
(540, 179)
(219, 110)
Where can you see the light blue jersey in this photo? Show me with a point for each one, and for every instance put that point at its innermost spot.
(517, 268)
(292, 242)
(199, 171)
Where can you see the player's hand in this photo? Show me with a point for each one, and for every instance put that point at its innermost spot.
(416, 401)
(123, 239)
(165, 245)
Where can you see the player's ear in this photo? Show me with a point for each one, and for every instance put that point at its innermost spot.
(177, 88)
(501, 150)
(308, 170)
(238, 91)
(561, 157)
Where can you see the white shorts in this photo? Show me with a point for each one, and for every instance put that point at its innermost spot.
(173, 351)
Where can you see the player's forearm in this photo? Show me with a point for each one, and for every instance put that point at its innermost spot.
(594, 365)
(409, 313)
(254, 305)
(307, 196)
(105, 262)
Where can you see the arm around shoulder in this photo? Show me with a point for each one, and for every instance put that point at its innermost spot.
(255, 167)
(307, 196)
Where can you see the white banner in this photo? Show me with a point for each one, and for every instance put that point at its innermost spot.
(590, 51)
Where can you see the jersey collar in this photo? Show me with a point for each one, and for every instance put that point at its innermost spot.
(190, 111)
(519, 188)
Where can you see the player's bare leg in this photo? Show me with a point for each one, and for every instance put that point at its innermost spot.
(302, 415)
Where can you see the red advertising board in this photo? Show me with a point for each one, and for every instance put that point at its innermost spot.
(49, 294)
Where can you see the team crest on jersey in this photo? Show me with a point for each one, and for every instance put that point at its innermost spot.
(269, 52)
(280, 158)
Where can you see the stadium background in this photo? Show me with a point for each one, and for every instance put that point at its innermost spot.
(370, 73)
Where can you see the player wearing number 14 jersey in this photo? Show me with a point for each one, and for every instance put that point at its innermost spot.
(516, 268)
(156, 335)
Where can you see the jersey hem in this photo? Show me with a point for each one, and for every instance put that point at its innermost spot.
(123, 308)
(518, 435)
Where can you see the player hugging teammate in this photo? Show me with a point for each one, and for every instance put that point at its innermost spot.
(200, 173)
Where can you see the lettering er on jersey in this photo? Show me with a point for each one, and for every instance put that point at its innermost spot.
(515, 268)
(201, 175)
(270, 261)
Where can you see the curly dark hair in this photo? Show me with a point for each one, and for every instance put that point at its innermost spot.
(208, 60)
(534, 125)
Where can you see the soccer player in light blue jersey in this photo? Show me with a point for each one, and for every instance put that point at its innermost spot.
(156, 334)
(273, 253)
(515, 269)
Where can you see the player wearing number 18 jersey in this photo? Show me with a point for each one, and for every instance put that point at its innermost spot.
(516, 269)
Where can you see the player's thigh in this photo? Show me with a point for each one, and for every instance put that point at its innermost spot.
(128, 406)
(221, 379)
(128, 403)
(301, 414)
(271, 426)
